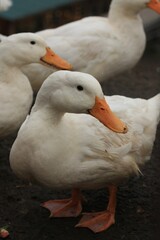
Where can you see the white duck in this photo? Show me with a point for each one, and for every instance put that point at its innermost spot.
(64, 147)
(15, 89)
(5, 5)
(100, 46)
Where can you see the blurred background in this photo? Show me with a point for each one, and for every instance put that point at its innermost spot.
(35, 15)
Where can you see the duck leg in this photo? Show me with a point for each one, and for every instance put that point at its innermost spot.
(66, 207)
(100, 221)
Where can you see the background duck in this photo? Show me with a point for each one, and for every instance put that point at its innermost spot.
(5, 4)
(101, 46)
(15, 89)
(63, 149)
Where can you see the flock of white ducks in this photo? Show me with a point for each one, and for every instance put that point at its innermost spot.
(71, 139)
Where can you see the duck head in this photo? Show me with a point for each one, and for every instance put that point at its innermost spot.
(135, 6)
(77, 92)
(154, 5)
(26, 48)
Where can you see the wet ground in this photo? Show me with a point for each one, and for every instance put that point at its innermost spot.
(138, 209)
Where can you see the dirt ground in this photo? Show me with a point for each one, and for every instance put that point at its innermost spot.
(138, 209)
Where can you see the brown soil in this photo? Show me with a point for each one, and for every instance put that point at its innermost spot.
(138, 209)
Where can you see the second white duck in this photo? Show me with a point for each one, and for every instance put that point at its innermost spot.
(100, 46)
(15, 89)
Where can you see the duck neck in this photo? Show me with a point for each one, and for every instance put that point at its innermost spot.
(11, 74)
(119, 13)
(47, 113)
(8, 57)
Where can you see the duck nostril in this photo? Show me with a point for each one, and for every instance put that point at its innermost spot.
(125, 130)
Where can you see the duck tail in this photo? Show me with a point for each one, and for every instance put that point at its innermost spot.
(154, 107)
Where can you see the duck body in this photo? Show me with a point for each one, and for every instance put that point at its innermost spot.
(16, 98)
(82, 169)
(97, 45)
(100, 46)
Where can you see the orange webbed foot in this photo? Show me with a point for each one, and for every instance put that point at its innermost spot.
(66, 207)
(63, 208)
(97, 222)
(100, 221)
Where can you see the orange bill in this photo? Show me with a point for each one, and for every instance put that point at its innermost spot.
(103, 113)
(154, 5)
(54, 60)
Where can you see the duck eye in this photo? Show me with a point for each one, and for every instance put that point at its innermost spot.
(79, 88)
(32, 42)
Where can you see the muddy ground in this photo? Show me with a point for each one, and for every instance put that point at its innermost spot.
(138, 209)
